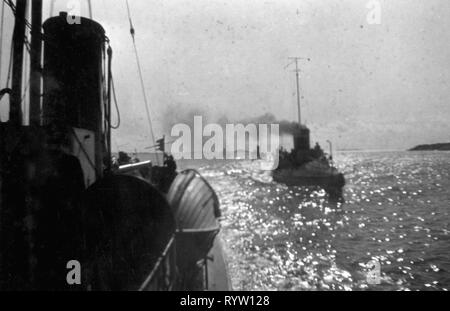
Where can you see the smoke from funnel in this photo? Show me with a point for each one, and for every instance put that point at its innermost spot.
(176, 115)
(286, 127)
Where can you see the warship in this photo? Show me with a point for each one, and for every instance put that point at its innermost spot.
(303, 165)
(133, 226)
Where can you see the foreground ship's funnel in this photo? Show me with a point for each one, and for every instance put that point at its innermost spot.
(74, 79)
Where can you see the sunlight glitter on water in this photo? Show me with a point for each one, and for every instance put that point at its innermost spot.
(294, 238)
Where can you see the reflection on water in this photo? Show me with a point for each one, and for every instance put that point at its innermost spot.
(396, 211)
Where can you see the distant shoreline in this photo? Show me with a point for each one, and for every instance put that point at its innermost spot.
(369, 150)
(432, 147)
(429, 147)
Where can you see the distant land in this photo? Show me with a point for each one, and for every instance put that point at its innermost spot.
(438, 147)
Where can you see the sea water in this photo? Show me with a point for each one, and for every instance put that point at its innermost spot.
(395, 210)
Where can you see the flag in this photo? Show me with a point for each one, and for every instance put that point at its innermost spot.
(160, 144)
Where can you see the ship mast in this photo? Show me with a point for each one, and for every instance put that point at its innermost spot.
(297, 76)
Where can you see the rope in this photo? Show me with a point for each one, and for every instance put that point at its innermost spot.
(115, 127)
(132, 32)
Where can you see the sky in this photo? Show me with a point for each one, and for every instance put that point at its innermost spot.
(366, 86)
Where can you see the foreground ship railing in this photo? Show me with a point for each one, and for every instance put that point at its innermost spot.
(163, 277)
(128, 168)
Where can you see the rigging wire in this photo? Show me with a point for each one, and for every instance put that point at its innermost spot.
(1, 44)
(1, 48)
(132, 32)
(13, 8)
(27, 23)
(52, 7)
(90, 9)
(1, 34)
(11, 56)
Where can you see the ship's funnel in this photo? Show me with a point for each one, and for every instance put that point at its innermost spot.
(74, 100)
(301, 138)
(73, 61)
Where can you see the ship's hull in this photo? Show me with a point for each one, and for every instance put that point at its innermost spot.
(298, 177)
(311, 174)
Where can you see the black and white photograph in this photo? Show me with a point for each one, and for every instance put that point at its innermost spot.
(224, 146)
